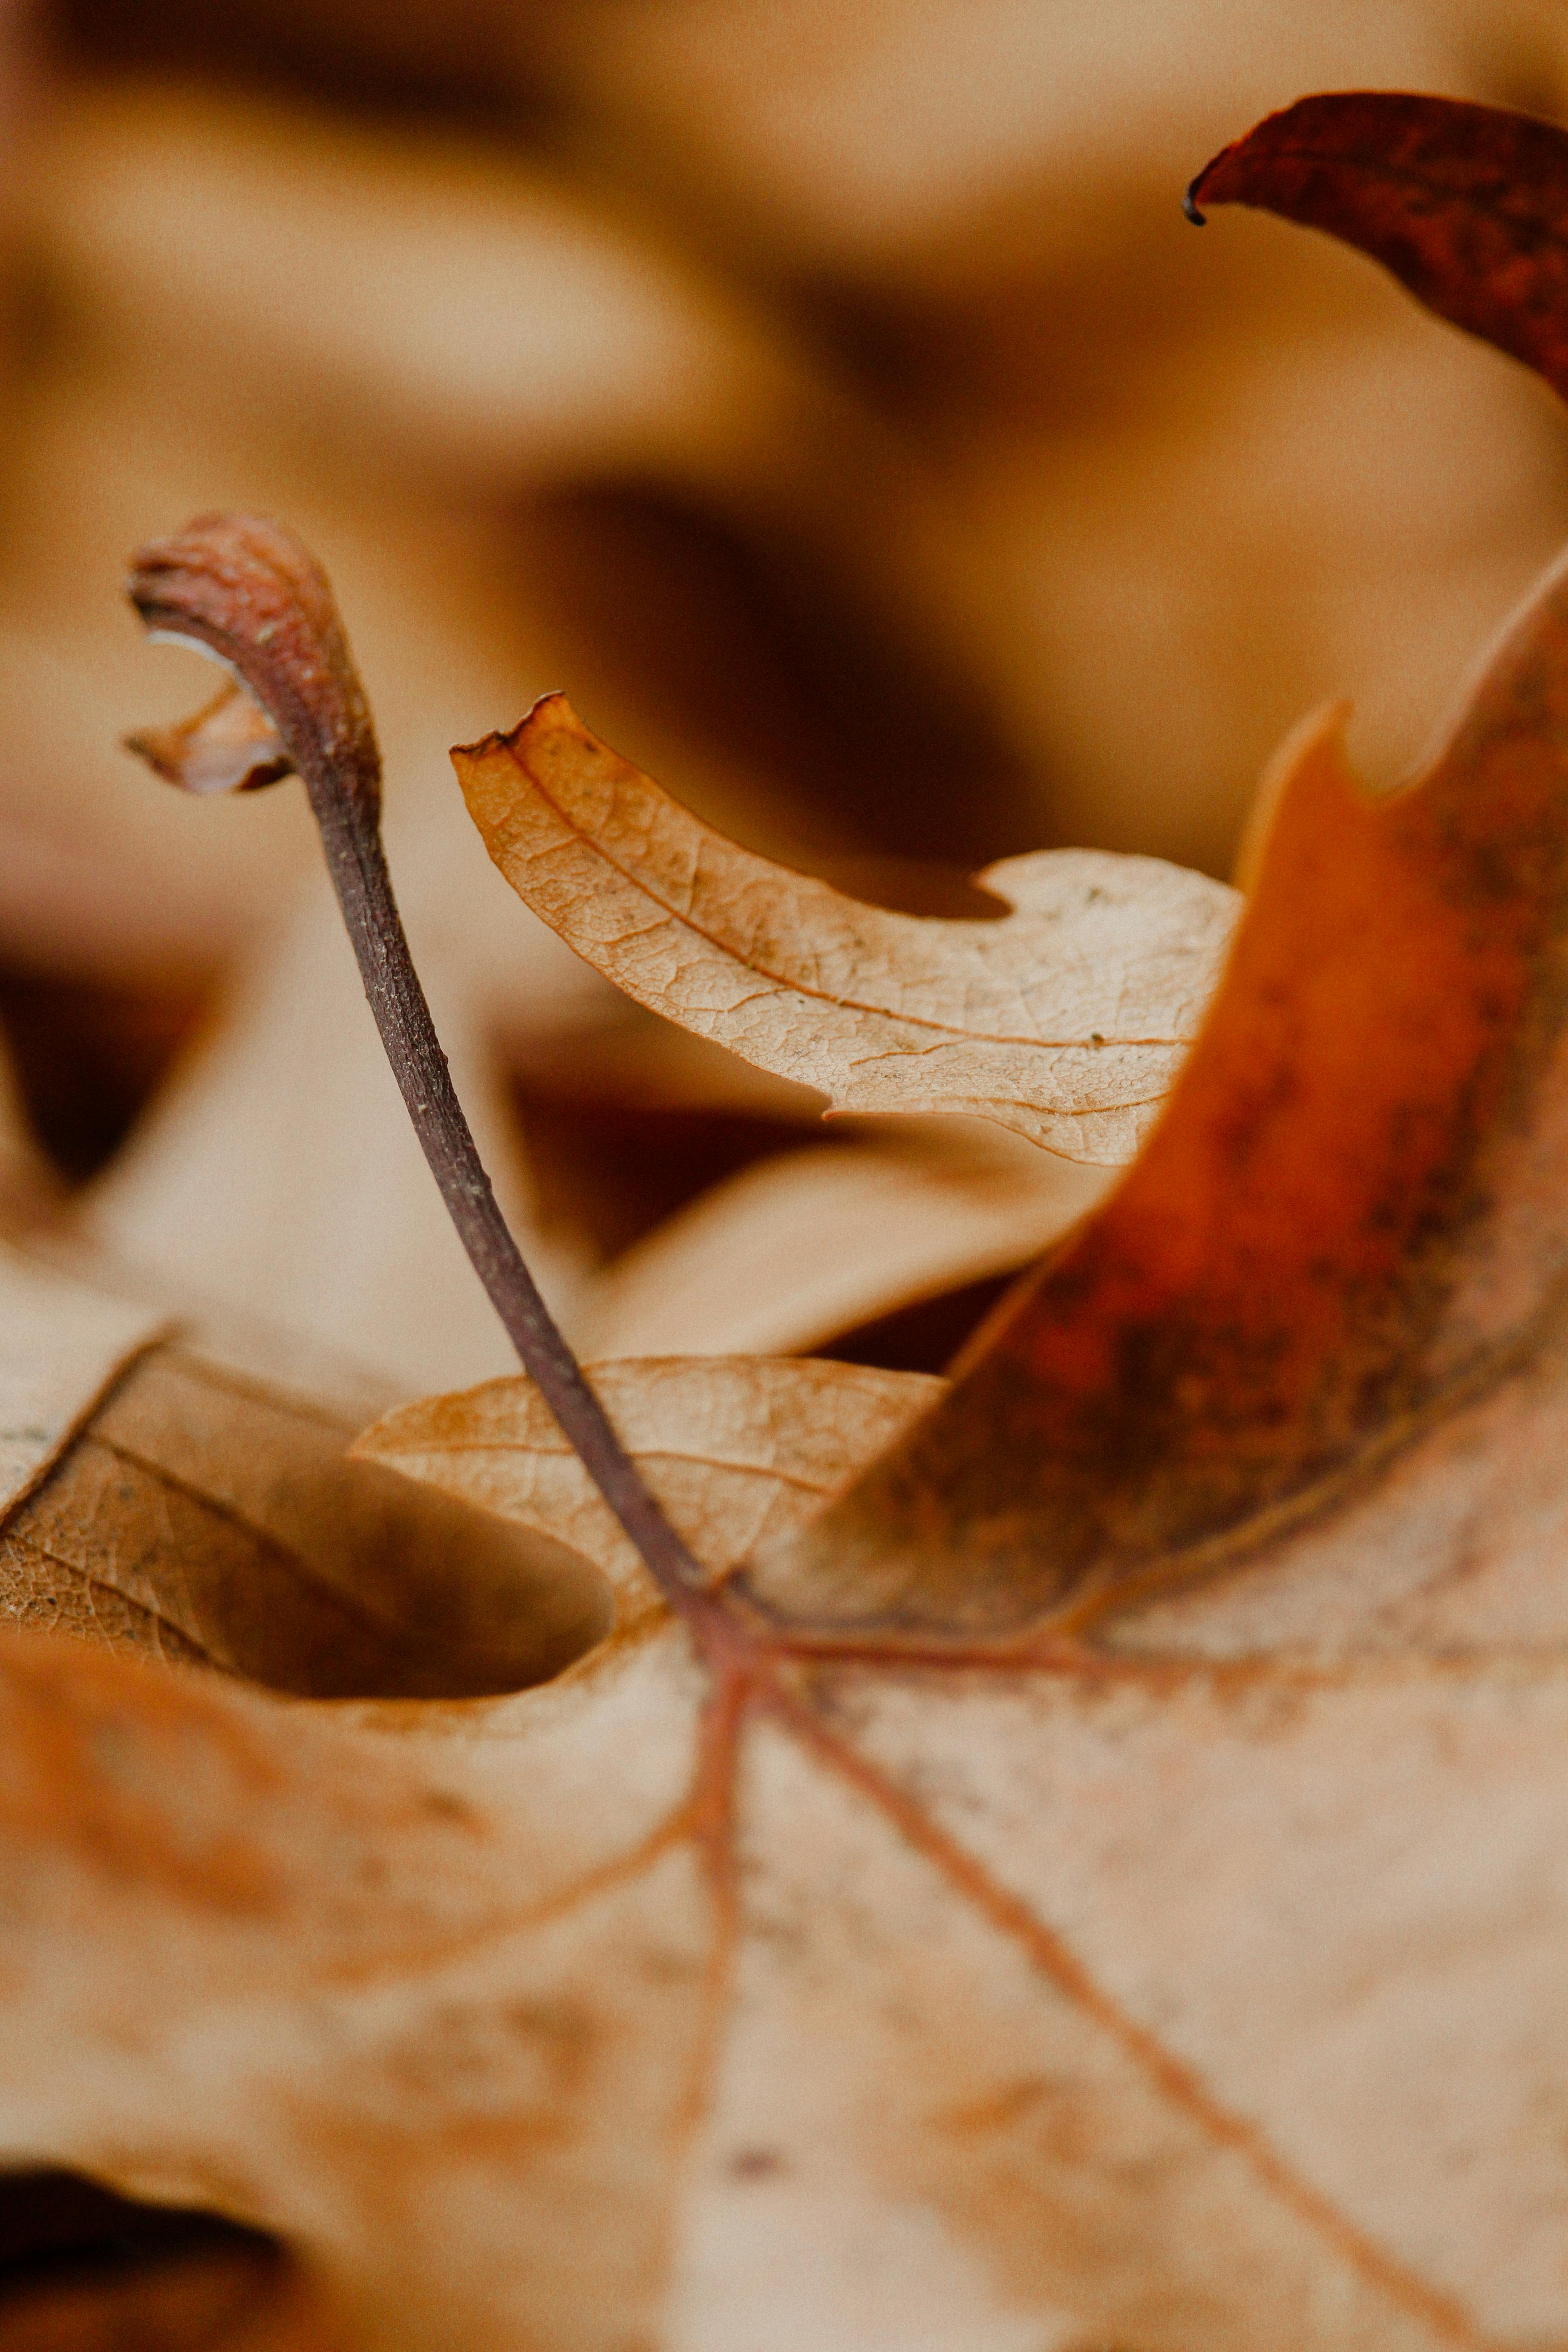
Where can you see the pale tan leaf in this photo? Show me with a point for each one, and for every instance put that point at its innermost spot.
(1067, 1020)
(61, 1345)
(736, 1449)
(416, 287)
(278, 1174)
(834, 2020)
(229, 745)
(795, 1251)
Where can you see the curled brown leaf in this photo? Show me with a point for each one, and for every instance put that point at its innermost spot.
(1065, 1021)
(1466, 205)
(229, 745)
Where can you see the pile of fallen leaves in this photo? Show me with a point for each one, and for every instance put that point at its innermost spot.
(837, 404)
(1085, 1866)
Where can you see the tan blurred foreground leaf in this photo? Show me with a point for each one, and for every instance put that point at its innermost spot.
(797, 1252)
(1066, 1020)
(1122, 1904)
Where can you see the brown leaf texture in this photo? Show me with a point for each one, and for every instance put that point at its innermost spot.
(159, 1503)
(1167, 1952)
(1341, 1251)
(1066, 1020)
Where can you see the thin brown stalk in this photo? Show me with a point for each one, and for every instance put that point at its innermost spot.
(246, 589)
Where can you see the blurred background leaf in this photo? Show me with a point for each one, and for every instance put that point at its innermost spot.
(832, 399)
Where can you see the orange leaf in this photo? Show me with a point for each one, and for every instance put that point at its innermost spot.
(1345, 1232)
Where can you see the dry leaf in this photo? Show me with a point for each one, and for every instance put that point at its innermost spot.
(737, 1448)
(1065, 1021)
(1158, 499)
(1341, 1244)
(229, 745)
(795, 1252)
(1148, 1933)
(1099, 1883)
(278, 1174)
(61, 1344)
(158, 1502)
(1090, 569)
(1466, 205)
(731, 1220)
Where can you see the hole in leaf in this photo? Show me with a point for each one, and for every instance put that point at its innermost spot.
(206, 1520)
(83, 2270)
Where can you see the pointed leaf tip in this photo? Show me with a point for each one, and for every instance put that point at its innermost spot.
(1466, 204)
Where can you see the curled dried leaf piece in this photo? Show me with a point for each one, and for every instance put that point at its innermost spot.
(230, 745)
(1466, 205)
(1067, 1021)
(243, 589)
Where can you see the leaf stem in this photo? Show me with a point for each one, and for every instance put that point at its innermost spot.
(245, 590)
(357, 865)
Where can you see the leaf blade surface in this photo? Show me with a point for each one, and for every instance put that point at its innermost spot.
(1065, 1021)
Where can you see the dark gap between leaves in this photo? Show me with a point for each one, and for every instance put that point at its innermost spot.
(923, 1336)
(616, 1171)
(399, 68)
(80, 2265)
(741, 643)
(88, 1057)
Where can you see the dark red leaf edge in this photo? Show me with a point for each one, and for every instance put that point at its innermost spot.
(1466, 204)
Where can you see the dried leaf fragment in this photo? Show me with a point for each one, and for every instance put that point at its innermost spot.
(1065, 1021)
(738, 1448)
(228, 745)
(1466, 205)
(154, 1502)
